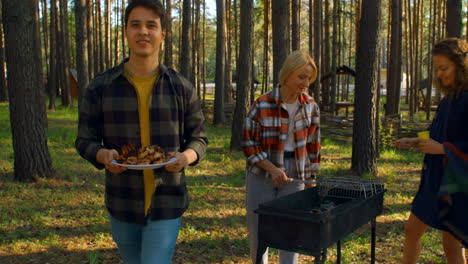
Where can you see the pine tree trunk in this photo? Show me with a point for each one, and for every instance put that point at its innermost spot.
(454, 18)
(281, 41)
(90, 33)
(244, 78)
(52, 84)
(228, 89)
(81, 47)
(108, 36)
(27, 99)
(45, 29)
(65, 54)
(317, 45)
(185, 56)
(326, 57)
(3, 84)
(364, 149)
(394, 62)
(122, 18)
(295, 25)
(334, 56)
(218, 115)
(168, 39)
(266, 45)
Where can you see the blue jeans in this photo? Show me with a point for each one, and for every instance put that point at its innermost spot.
(146, 244)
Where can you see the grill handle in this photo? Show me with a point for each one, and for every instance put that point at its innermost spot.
(302, 181)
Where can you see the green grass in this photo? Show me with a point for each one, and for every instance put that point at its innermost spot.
(63, 220)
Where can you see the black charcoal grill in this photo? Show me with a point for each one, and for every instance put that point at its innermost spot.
(310, 221)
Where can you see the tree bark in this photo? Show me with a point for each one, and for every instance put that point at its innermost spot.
(364, 149)
(218, 115)
(296, 24)
(52, 83)
(27, 99)
(266, 45)
(334, 56)
(394, 62)
(281, 41)
(45, 25)
(90, 34)
(65, 54)
(244, 78)
(122, 35)
(317, 47)
(81, 47)
(228, 90)
(185, 56)
(168, 39)
(3, 84)
(326, 57)
(108, 36)
(454, 18)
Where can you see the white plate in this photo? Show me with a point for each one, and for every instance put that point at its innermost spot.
(144, 167)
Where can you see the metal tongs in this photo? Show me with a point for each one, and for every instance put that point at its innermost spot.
(302, 181)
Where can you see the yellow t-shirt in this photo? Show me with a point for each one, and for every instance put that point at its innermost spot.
(143, 87)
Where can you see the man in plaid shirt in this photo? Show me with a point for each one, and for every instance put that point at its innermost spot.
(281, 140)
(144, 103)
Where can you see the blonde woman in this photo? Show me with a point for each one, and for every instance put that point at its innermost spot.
(281, 140)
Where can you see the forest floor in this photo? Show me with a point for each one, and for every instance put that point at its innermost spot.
(63, 219)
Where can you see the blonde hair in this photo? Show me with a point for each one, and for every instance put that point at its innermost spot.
(294, 61)
(455, 50)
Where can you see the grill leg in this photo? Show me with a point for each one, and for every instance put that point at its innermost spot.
(260, 250)
(321, 257)
(338, 252)
(373, 224)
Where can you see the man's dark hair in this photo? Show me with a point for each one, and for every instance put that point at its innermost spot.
(155, 5)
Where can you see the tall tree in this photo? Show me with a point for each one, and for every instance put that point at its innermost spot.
(394, 62)
(81, 46)
(334, 55)
(228, 41)
(317, 52)
(244, 78)
(45, 25)
(454, 18)
(168, 39)
(185, 59)
(65, 53)
(108, 35)
(364, 126)
(326, 55)
(281, 41)
(266, 45)
(296, 24)
(27, 99)
(90, 34)
(3, 84)
(52, 80)
(122, 21)
(218, 115)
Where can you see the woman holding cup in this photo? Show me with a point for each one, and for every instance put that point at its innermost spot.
(443, 196)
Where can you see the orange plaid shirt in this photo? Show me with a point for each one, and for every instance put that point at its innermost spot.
(266, 130)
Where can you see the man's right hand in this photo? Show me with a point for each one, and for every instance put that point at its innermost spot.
(278, 176)
(105, 156)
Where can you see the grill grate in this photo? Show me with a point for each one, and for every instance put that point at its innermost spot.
(351, 188)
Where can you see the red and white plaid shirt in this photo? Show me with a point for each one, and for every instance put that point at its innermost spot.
(266, 130)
